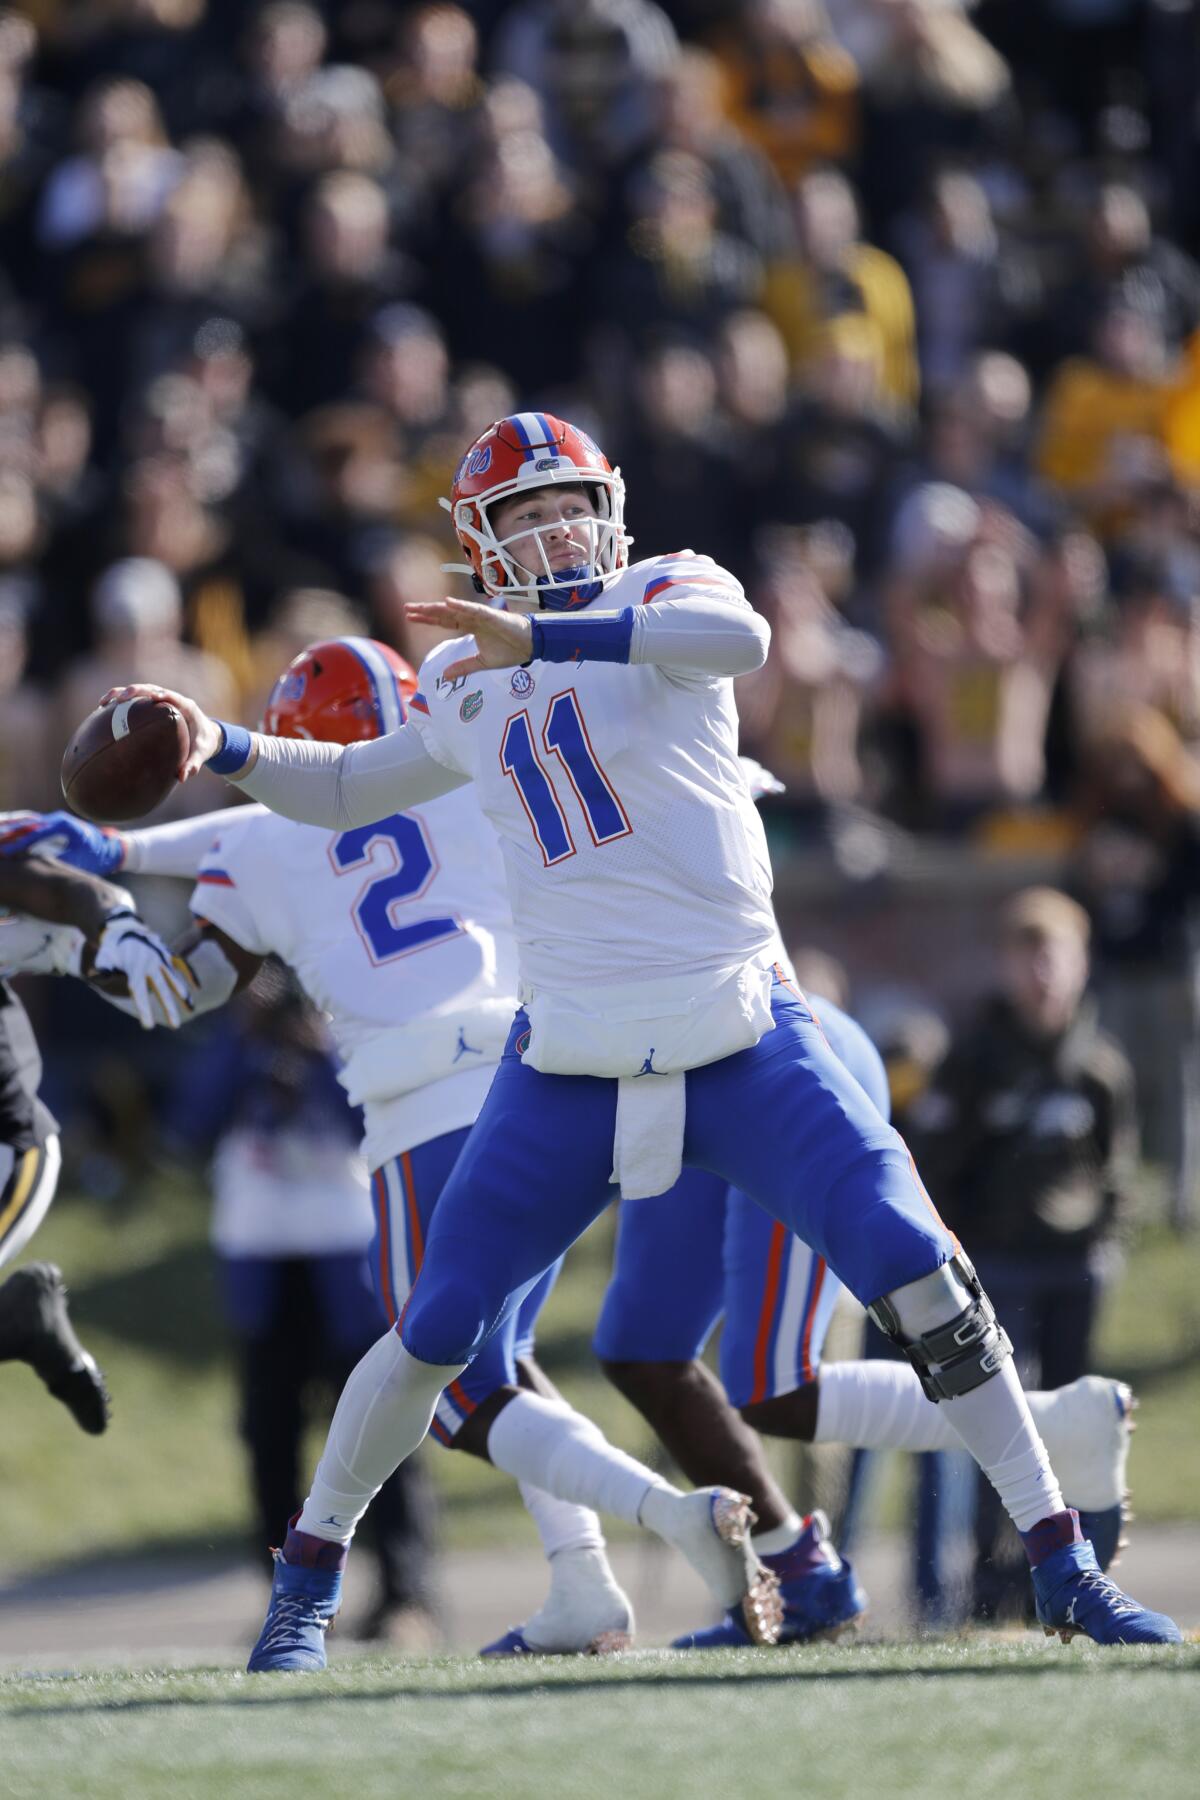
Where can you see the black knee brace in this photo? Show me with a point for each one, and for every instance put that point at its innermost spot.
(962, 1354)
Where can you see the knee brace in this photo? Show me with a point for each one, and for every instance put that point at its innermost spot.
(951, 1358)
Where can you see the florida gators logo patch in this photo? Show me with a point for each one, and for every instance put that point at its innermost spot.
(522, 1043)
(471, 706)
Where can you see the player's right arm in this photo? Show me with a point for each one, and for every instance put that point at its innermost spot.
(333, 785)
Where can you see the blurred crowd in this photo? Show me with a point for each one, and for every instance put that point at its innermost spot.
(889, 303)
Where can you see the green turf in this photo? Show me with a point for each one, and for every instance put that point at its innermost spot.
(993, 1722)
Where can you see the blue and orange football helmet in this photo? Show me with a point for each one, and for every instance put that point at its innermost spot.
(342, 690)
(533, 450)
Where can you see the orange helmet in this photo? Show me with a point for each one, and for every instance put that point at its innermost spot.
(341, 690)
(535, 450)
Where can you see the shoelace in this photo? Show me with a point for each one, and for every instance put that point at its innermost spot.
(289, 1613)
(1091, 1581)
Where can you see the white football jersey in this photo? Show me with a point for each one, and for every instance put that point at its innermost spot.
(400, 932)
(632, 845)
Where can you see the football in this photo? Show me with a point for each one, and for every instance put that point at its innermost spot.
(123, 760)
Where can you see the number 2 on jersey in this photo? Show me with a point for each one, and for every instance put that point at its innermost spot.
(565, 736)
(413, 866)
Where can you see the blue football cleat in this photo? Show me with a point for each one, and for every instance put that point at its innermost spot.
(513, 1643)
(1074, 1599)
(820, 1593)
(303, 1604)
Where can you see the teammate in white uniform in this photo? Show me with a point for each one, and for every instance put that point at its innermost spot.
(57, 921)
(642, 908)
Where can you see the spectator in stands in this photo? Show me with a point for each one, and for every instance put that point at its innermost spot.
(350, 271)
(348, 489)
(406, 371)
(693, 116)
(596, 66)
(672, 454)
(433, 87)
(1146, 651)
(835, 274)
(1028, 1139)
(793, 90)
(1138, 872)
(841, 444)
(932, 88)
(1103, 420)
(803, 711)
(975, 437)
(1123, 261)
(506, 277)
(967, 672)
(121, 174)
(971, 283)
(676, 268)
(408, 567)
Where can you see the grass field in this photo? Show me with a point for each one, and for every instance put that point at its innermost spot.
(993, 1721)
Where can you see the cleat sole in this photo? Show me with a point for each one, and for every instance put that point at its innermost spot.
(761, 1606)
(610, 1643)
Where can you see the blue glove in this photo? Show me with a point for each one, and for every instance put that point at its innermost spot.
(64, 837)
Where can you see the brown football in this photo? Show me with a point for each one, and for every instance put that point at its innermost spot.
(123, 760)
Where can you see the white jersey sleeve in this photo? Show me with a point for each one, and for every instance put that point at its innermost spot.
(693, 621)
(178, 847)
(342, 786)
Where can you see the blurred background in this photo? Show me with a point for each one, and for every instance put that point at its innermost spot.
(892, 306)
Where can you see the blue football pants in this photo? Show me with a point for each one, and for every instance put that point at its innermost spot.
(703, 1250)
(784, 1122)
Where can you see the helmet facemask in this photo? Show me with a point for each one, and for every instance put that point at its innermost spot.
(496, 569)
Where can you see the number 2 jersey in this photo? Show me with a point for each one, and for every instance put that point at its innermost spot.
(400, 932)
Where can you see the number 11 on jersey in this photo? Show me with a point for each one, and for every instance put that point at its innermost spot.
(566, 736)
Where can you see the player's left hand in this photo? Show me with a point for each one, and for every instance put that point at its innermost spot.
(128, 947)
(61, 835)
(503, 640)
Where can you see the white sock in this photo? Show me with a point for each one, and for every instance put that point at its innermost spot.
(780, 1537)
(548, 1443)
(881, 1406)
(384, 1412)
(878, 1406)
(995, 1424)
(561, 1524)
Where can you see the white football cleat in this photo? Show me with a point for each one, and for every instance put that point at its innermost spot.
(586, 1613)
(1087, 1433)
(711, 1527)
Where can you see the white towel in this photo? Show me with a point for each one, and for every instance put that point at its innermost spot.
(648, 1141)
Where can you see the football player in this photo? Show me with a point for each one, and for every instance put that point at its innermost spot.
(57, 921)
(656, 1025)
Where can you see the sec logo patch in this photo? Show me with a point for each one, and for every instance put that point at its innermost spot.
(521, 683)
(471, 706)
